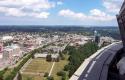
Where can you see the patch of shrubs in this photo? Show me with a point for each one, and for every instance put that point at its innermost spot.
(46, 74)
(50, 78)
(63, 74)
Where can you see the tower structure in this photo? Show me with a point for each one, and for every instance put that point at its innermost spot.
(97, 37)
(121, 23)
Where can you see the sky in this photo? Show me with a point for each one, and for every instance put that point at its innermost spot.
(59, 12)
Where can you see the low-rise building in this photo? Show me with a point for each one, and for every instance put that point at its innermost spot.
(7, 38)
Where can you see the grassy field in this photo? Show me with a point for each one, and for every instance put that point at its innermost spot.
(32, 77)
(38, 65)
(59, 66)
(41, 66)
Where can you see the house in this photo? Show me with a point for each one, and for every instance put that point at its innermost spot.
(7, 38)
(53, 57)
(40, 55)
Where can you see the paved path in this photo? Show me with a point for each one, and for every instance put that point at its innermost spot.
(25, 65)
(51, 69)
(34, 73)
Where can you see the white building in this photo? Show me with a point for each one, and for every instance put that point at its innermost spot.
(7, 38)
(12, 53)
(40, 55)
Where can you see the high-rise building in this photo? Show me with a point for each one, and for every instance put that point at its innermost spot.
(97, 37)
(121, 23)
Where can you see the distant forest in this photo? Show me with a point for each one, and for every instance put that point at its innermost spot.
(103, 31)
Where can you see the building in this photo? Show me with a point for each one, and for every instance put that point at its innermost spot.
(97, 37)
(1, 47)
(12, 53)
(54, 57)
(7, 38)
(104, 41)
(121, 23)
(41, 55)
(100, 65)
(1, 50)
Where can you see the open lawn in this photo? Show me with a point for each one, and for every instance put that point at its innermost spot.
(36, 69)
(59, 66)
(32, 77)
(38, 66)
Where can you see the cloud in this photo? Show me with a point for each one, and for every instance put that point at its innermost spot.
(31, 8)
(19, 13)
(38, 4)
(94, 14)
(40, 15)
(12, 11)
(112, 6)
(71, 14)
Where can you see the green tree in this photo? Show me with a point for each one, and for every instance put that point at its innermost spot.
(46, 74)
(19, 76)
(50, 78)
(78, 55)
(48, 58)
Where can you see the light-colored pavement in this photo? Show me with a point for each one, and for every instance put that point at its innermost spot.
(51, 69)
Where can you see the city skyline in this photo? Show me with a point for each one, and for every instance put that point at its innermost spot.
(59, 12)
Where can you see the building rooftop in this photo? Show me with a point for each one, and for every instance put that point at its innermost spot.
(9, 48)
(7, 38)
(96, 66)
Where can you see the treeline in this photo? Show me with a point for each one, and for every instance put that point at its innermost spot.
(16, 69)
(78, 55)
(2, 73)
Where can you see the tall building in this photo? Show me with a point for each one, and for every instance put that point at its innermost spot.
(121, 23)
(97, 37)
(12, 53)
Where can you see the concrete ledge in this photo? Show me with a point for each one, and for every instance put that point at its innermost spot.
(87, 64)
